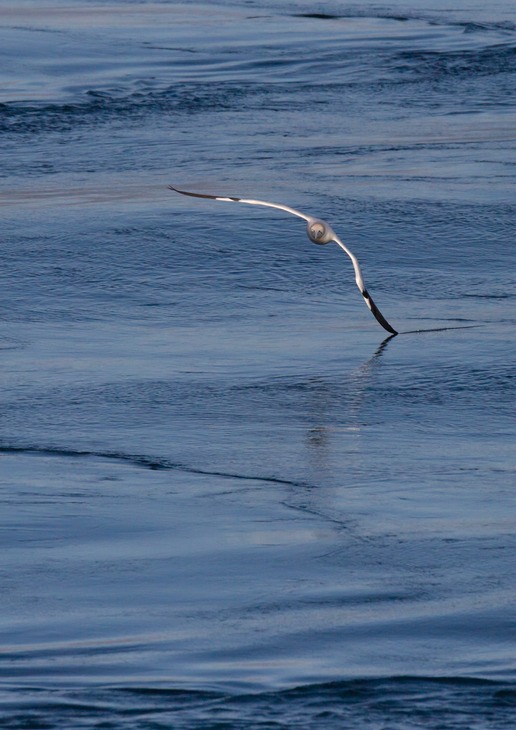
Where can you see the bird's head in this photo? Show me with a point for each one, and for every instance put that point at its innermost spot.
(319, 231)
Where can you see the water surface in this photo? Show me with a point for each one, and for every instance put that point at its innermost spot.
(228, 499)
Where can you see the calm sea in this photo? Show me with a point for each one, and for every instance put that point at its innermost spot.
(227, 500)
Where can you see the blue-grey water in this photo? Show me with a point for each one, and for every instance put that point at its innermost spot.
(227, 500)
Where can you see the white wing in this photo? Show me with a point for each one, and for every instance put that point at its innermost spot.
(286, 208)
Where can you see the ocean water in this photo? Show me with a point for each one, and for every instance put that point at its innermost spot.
(229, 499)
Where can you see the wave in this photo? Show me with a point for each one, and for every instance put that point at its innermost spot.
(142, 461)
(497, 59)
(193, 79)
(101, 106)
(505, 27)
(400, 703)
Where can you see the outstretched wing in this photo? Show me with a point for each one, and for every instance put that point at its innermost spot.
(361, 287)
(286, 208)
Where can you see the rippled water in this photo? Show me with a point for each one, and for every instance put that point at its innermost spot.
(228, 501)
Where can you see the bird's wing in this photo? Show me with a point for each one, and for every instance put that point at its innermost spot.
(286, 208)
(361, 286)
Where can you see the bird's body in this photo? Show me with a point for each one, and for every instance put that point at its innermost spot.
(318, 232)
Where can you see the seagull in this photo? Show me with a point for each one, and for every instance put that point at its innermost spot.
(318, 232)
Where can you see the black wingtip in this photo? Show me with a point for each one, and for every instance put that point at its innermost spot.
(185, 192)
(377, 314)
(192, 195)
(386, 325)
(204, 195)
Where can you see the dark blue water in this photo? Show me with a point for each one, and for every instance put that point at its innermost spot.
(228, 501)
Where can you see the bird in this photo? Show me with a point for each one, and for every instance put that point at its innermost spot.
(318, 232)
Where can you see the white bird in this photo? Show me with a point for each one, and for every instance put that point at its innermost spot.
(318, 232)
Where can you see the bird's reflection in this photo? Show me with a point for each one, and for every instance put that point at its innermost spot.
(326, 393)
(335, 410)
(340, 411)
(349, 393)
(353, 388)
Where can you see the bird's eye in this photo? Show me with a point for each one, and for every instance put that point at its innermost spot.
(318, 232)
